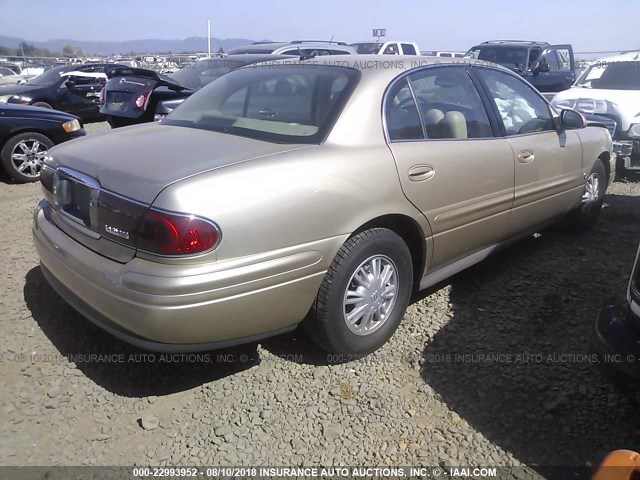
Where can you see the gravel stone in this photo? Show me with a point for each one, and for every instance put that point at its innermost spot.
(148, 422)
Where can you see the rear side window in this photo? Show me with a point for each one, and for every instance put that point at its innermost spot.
(403, 120)
(288, 104)
(450, 104)
(408, 49)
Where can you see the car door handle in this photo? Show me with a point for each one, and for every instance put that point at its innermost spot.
(419, 173)
(526, 156)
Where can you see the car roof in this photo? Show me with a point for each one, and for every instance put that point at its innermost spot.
(383, 66)
(511, 43)
(630, 56)
(383, 41)
(247, 58)
(261, 46)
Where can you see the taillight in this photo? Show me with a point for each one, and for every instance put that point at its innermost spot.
(102, 97)
(141, 101)
(175, 234)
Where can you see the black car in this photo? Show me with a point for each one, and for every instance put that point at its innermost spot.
(136, 95)
(27, 134)
(549, 68)
(616, 336)
(73, 88)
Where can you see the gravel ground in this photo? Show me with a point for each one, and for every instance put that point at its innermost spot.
(428, 397)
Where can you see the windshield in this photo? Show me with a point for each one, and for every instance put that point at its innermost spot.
(280, 103)
(46, 79)
(510, 57)
(202, 73)
(611, 76)
(367, 48)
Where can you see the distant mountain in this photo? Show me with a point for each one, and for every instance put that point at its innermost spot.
(192, 44)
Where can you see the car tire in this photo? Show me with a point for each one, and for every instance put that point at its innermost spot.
(29, 147)
(42, 105)
(377, 255)
(595, 186)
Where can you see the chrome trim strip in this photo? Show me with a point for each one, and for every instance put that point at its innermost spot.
(79, 177)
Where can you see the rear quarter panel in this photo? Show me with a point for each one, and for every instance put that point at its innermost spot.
(294, 198)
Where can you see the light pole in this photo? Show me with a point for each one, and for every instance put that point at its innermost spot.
(209, 36)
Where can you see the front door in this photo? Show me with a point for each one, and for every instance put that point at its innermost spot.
(555, 70)
(548, 162)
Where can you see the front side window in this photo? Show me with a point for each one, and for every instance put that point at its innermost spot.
(450, 104)
(550, 59)
(521, 108)
(287, 104)
(391, 49)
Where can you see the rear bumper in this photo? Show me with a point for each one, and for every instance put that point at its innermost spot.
(617, 345)
(176, 307)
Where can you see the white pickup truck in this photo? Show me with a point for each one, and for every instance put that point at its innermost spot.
(391, 47)
(608, 92)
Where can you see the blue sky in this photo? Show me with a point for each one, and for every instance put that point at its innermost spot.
(589, 25)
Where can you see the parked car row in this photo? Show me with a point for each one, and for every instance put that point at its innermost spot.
(74, 89)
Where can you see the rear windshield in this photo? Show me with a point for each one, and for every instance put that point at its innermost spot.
(280, 103)
(367, 48)
(510, 57)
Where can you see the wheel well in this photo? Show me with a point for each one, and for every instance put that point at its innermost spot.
(28, 130)
(12, 134)
(605, 158)
(409, 230)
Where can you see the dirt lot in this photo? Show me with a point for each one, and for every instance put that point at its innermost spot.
(70, 394)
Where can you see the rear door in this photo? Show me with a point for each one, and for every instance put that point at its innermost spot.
(547, 162)
(451, 165)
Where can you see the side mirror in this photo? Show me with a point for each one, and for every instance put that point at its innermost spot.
(70, 84)
(572, 120)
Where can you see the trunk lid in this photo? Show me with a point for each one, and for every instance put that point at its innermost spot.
(139, 161)
(100, 189)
